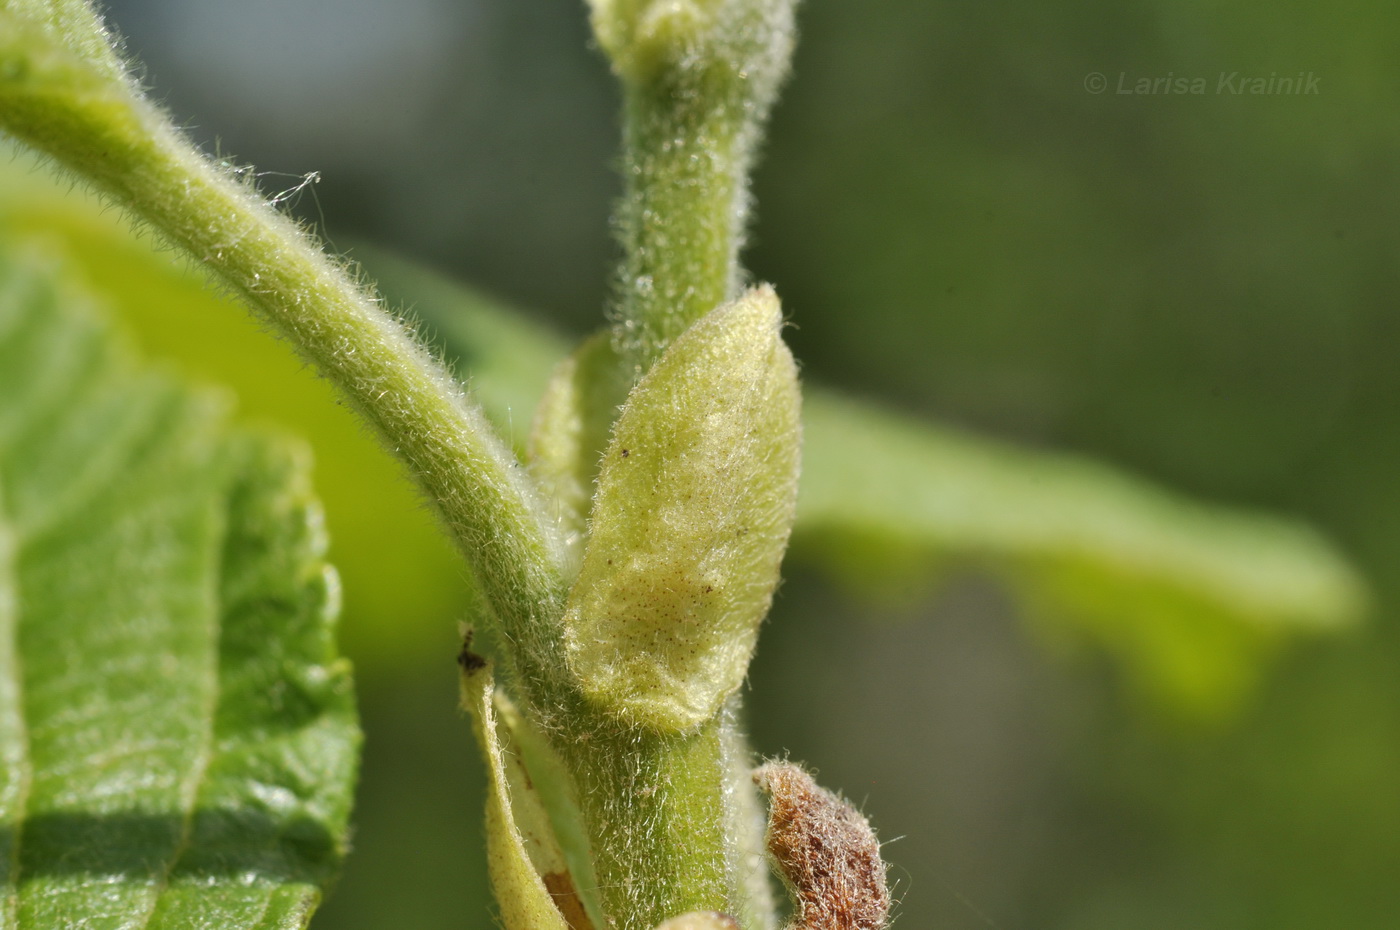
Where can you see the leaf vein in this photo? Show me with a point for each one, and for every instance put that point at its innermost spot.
(209, 747)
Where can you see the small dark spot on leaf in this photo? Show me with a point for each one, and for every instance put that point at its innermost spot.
(625, 453)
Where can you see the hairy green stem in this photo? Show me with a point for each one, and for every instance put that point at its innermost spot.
(699, 78)
(658, 811)
(682, 216)
(100, 128)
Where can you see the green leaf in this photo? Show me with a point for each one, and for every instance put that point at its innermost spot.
(1187, 595)
(177, 737)
(695, 502)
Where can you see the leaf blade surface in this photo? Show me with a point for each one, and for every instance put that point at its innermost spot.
(178, 736)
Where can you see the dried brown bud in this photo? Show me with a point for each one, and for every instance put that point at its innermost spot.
(826, 851)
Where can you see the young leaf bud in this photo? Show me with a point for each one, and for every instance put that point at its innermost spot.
(694, 506)
(825, 851)
(748, 39)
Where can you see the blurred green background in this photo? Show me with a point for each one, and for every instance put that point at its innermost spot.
(1200, 288)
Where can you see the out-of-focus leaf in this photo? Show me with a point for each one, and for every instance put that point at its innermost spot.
(177, 736)
(1186, 594)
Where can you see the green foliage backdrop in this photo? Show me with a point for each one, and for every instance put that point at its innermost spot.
(1198, 287)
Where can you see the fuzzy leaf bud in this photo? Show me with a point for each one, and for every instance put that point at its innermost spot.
(694, 505)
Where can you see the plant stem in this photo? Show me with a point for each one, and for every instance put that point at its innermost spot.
(658, 811)
(682, 216)
(699, 79)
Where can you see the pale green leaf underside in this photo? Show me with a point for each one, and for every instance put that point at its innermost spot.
(177, 737)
